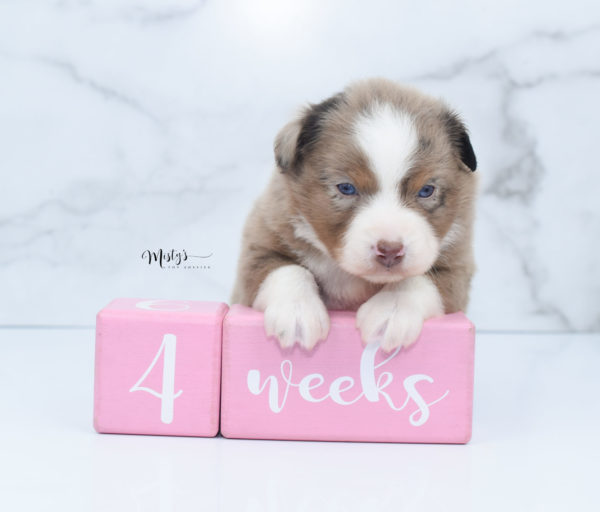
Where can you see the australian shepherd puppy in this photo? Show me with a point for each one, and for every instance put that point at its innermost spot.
(370, 208)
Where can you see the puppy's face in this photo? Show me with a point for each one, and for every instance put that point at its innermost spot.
(380, 176)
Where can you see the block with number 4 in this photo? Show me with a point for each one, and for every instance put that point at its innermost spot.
(158, 367)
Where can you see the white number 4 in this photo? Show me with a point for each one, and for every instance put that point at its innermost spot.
(168, 395)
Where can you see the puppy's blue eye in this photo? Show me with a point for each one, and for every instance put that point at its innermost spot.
(347, 189)
(426, 191)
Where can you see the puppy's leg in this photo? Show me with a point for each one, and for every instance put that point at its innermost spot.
(294, 312)
(453, 284)
(395, 314)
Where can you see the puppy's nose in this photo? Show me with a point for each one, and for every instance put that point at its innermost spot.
(389, 253)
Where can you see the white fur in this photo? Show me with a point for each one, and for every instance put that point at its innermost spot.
(389, 139)
(304, 231)
(395, 315)
(294, 312)
(454, 234)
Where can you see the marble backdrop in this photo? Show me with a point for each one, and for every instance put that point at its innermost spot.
(128, 126)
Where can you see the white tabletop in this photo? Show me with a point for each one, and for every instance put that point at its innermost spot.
(535, 443)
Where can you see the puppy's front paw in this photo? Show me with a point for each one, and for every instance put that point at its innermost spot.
(304, 321)
(294, 312)
(394, 322)
(395, 315)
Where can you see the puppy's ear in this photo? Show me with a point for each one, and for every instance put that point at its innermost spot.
(459, 138)
(297, 138)
(285, 144)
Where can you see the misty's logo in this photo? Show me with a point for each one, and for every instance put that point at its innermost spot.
(175, 259)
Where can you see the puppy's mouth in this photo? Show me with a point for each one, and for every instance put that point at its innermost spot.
(386, 263)
(378, 272)
(384, 275)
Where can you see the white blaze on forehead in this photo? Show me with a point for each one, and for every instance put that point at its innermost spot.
(389, 139)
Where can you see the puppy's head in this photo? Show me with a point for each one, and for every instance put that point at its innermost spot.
(380, 175)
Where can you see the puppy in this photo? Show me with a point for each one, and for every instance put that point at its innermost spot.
(370, 208)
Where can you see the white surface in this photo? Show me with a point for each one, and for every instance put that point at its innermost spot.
(535, 444)
(128, 125)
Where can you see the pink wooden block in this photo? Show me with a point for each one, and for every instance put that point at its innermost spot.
(344, 391)
(158, 367)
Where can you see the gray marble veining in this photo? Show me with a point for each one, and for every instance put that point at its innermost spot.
(127, 125)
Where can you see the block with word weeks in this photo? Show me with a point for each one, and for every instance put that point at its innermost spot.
(158, 367)
(345, 391)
